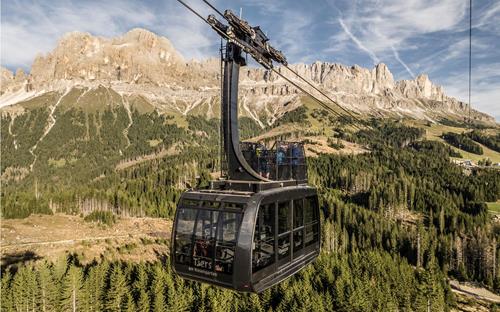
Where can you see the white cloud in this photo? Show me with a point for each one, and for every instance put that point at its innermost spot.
(358, 42)
(396, 55)
(31, 27)
(489, 18)
(293, 34)
(485, 98)
(380, 27)
(188, 33)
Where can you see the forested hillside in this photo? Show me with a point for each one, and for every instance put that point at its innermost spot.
(427, 209)
(491, 141)
(463, 142)
(397, 220)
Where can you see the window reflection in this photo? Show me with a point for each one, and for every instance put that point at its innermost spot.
(204, 236)
(284, 217)
(226, 241)
(311, 221)
(263, 243)
(183, 239)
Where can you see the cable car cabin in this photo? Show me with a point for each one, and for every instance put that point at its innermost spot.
(247, 241)
(260, 224)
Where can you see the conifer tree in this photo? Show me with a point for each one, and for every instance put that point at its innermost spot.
(118, 293)
(95, 287)
(6, 300)
(72, 284)
(130, 305)
(48, 291)
(143, 304)
(140, 288)
(158, 289)
(24, 289)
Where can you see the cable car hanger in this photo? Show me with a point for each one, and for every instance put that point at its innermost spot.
(260, 224)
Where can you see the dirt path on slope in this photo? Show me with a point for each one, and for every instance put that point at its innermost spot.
(474, 291)
(48, 237)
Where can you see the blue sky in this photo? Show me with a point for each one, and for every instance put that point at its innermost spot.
(411, 36)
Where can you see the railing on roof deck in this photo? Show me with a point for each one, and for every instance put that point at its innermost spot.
(284, 161)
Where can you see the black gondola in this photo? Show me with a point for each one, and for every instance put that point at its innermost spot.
(261, 223)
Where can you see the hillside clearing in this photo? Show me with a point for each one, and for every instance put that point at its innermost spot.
(494, 207)
(49, 237)
(435, 131)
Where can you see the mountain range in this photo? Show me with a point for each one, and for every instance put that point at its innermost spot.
(146, 67)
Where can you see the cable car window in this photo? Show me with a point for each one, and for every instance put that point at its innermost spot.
(227, 235)
(229, 226)
(298, 227)
(183, 238)
(263, 241)
(211, 204)
(204, 240)
(309, 210)
(284, 227)
(311, 221)
(234, 205)
(298, 241)
(298, 213)
(284, 217)
(190, 202)
(186, 219)
(284, 246)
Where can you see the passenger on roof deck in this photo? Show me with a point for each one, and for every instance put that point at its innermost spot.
(282, 162)
(294, 152)
(297, 159)
(262, 155)
(280, 156)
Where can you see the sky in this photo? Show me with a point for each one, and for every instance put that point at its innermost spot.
(411, 36)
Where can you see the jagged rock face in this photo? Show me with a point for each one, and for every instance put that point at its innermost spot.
(372, 92)
(142, 63)
(332, 77)
(138, 57)
(421, 87)
(6, 78)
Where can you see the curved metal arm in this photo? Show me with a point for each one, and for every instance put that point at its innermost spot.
(237, 166)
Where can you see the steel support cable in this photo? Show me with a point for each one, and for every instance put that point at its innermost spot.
(324, 105)
(321, 103)
(304, 91)
(214, 8)
(470, 57)
(296, 74)
(322, 93)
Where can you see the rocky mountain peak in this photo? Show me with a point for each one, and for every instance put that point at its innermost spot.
(6, 77)
(383, 75)
(143, 63)
(137, 56)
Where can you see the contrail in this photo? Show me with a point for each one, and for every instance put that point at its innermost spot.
(360, 45)
(396, 55)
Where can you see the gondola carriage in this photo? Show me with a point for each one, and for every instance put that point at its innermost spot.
(260, 224)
